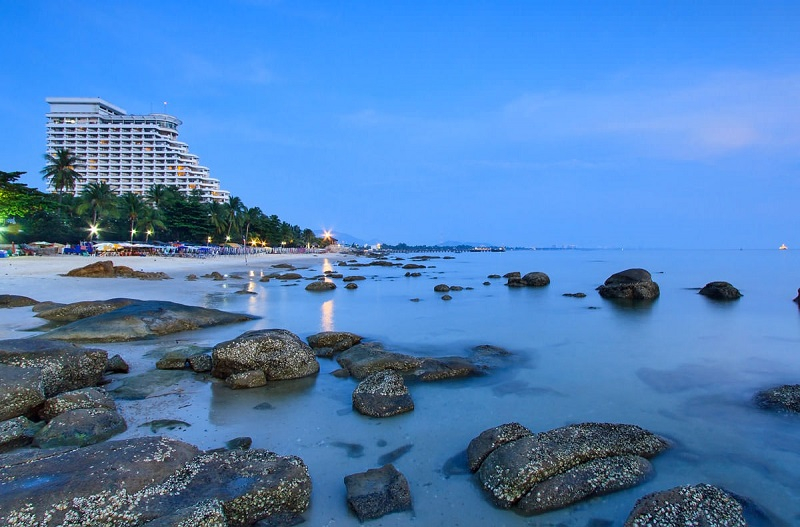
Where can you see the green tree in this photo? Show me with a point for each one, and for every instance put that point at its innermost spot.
(235, 207)
(61, 171)
(217, 213)
(132, 207)
(99, 199)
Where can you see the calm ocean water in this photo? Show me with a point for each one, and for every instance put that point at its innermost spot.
(683, 366)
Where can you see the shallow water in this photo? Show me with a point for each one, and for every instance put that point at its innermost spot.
(684, 366)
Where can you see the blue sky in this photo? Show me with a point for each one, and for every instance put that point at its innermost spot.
(634, 124)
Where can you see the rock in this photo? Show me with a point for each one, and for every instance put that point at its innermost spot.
(64, 366)
(289, 276)
(631, 284)
(11, 301)
(441, 368)
(336, 340)
(206, 513)
(264, 279)
(493, 276)
(279, 353)
(413, 266)
(490, 439)
(139, 480)
(447, 297)
(441, 288)
(456, 288)
(720, 291)
(487, 283)
(200, 362)
(21, 391)
(594, 478)
(106, 269)
(172, 360)
(320, 286)
(239, 443)
(78, 310)
(351, 285)
(786, 397)
(80, 428)
(75, 400)
(117, 365)
(701, 504)
(513, 274)
(215, 275)
(381, 263)
(44, 306)
(191, 277)
(246, 379)
(365, 359)
(512, 469)
(382, 394)
(284, 266)
(575, 295)
(534, 279)
(353, 278)
(377, 492)
(143, 319)
(17, 432)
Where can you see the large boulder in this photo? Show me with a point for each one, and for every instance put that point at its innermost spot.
(382, 394)
(320, 285)
(64, 366)
(21, 390)
(78, 310)
(147, 479)
(377, 492)
(786, 397)
(720, 291)
(143, 319)
(9, 301)
(75, 400)
(106, 269)
(552, 469)
(534, 279)
(81, 427)
(279, 353)
(367, 358)
(701, 504)
(17, 432)
(631, 284)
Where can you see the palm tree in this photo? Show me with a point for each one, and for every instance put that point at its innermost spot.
(61, 171)
(132, 207)
(157, 194)
(100, 199)
(248, 217)
(235, 208)
(216, 216)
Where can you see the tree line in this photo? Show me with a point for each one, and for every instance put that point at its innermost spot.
(162, 213)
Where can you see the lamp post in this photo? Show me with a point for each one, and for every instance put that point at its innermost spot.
(93, 230)
(133, 231)
(149, 232)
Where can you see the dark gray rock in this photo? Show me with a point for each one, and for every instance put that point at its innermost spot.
(786, 397)
(172, 360)
(367, 358)
(490, 439)
(64, 366)
(594, 478)
(289, 276)
(442, 368)
(21, 390)
(534, 279)
(353, 278)
(207, 513)
(246, 379)
(377, 492)
(631, 284)
(80, 428)
(117, 364)
(413, 266)
(84, 398)
(701, 504)
(447, 297)
(441, 288)
(78, 310)
(191, 277)
(143, 319)
(575, 295)
(720, 291)
(279, 353)
(336, 340)
(513, 274)
(200, 362)
(351, 286)
(319, 285)
(512, 469)
(139, 480)
(106, 269)
(17, 432)
(382, 394)
(11, 301)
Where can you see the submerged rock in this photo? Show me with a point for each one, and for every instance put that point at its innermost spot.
(278, 353)
(377, 492)
(701, 504)
(320, 285)
(631, 284)
(336, 340)
(365, 359)
(786, 397)
(11, 301)
(720, 291)
(142, 319)
(585, 459)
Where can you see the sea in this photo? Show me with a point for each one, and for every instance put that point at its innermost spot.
(683, 366)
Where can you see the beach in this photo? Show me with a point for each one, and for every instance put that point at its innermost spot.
(683, 367)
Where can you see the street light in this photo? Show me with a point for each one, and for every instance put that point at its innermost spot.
(209, 241)
(133, 231)
(93, 230)
(149, 232)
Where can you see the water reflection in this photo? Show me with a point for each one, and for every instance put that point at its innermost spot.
(326, 322)
(326, 266)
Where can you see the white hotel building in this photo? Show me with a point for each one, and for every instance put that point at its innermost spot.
(129, 152)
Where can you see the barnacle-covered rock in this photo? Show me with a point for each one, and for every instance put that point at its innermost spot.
(279, 353)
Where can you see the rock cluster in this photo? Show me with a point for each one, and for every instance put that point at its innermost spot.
(534, 279)
(631, 284)
(535, 473)
(106, 269)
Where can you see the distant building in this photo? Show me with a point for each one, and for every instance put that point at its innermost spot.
(129, 152)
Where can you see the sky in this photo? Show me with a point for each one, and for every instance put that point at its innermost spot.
(658, 124)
